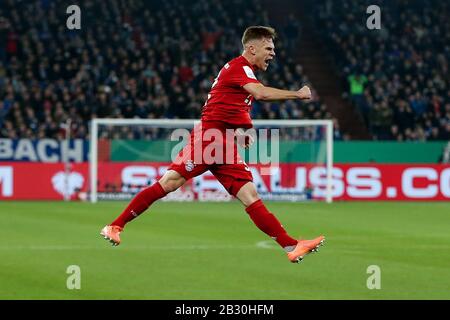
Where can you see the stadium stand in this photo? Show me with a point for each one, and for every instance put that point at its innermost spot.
(398, 76)
(145, 59)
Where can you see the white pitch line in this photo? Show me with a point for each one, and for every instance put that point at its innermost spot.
(126, 247)
(267, 244)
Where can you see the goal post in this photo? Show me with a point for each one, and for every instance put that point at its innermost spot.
(319, 146)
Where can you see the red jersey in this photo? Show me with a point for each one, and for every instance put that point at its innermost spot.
(228, 101)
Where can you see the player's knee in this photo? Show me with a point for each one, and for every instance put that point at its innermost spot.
(248, 195)
(252, 195)
(251, 198)
(171, 181)
(170, 185)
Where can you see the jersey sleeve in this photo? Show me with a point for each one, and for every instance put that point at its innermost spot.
(241, 75)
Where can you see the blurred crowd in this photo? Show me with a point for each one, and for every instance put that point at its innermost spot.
(137, 59)
(397, 76)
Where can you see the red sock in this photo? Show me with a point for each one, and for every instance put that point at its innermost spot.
(269, 224)
(139, 204)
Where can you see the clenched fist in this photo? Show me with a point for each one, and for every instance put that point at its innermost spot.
(304, 93)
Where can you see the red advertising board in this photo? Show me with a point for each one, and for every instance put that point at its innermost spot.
(40, 181)
(48, 181)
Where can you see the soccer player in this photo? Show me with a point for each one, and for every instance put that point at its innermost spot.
(227, 107)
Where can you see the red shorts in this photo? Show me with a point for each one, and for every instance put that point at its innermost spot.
(214, 150)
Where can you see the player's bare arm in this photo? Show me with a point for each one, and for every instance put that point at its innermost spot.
(259, 53)
(261, 92)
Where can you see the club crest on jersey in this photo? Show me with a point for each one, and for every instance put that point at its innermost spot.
(190, 165)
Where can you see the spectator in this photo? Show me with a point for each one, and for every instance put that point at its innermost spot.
(357, 83)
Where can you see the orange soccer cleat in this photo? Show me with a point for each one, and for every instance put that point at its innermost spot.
(111, 233)
(304, 247)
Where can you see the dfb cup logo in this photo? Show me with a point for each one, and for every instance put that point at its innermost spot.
(189, 165)
(67, 183)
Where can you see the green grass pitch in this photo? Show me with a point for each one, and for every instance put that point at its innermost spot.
(213, 251)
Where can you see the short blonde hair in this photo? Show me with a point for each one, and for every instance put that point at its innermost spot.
(258, 32)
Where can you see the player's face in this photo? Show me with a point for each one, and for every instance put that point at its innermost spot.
(265, 51)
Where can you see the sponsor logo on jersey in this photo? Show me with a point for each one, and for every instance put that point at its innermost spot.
(249, 72)
(190, 165)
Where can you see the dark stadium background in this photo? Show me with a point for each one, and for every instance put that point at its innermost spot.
(156, 59)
